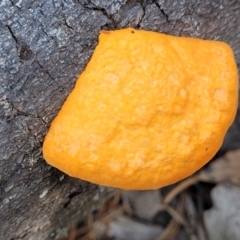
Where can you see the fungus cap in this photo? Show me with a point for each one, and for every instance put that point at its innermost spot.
(149, 110)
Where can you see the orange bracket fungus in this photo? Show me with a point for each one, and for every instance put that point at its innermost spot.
(149, 110)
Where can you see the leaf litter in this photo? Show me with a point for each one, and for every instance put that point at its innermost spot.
(176, 212)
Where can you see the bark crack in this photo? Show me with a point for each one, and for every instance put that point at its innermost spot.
(102, 10)
(66, 23)
(70, 197)
(144, 13)
(47, 72)
(162, 11)
(12, 34)
(14, 5)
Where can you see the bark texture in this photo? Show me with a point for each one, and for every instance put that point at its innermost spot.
(44, 46)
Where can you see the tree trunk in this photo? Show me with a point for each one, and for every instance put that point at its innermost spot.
(44, 46)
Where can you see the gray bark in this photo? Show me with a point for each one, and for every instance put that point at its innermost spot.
(44, 46)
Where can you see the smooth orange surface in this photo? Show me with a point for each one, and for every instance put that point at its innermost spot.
(149, 110)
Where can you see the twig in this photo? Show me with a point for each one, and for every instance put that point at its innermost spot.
(171, 230)
(179, 188)
(104, 220)
(72, 233)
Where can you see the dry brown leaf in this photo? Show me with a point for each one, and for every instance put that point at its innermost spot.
(124, 228)
(142, 203)
(223, 220)
(226, 168)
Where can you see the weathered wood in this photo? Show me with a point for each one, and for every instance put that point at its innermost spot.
(44, 46)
